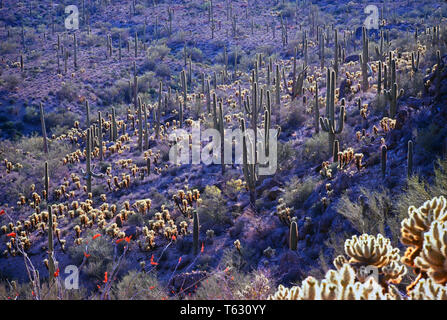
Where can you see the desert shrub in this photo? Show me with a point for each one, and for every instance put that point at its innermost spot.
(212, 209)
(68, 92)
(246, 62)
(7, 47)
(294, 118)
(92, 40)
(419, 190)
(297, 191)
(316, 148)
(431, 138)
(163, 70)
(372, 212)
(31, 115)
(62, 117)
(31, 148)
(379, 105)
(148, 83)
(286, 155)
(136, 219)
(11, 290)
(10, 81)
(195, 53)
(138, 286)
(412, 85)
(178, 38)
(154, 54)
(234, 284)
(117, 93)
(101, 254)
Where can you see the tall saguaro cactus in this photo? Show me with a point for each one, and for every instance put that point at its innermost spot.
(101, 151)
(75, 55)
(140, 125)
(249, 165)
(51, 261)
(328, 123)
(393, 95)
(89, 173)
(220, 127)
(44, 131)
(195, 232)
(293, 236)
(364, 59)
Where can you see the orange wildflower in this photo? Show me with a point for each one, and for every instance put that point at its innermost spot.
(153, 262)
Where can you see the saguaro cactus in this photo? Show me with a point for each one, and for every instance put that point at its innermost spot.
(364, 58)
(51, 262)
(195, 232)
(87, 112)
(89, 173)
(328, 123)
(101, 151)
(75, 55)
(249, 165)
(393, 95)
(278, 88)
(317, 110)
(140, 125)
(220, 127)
(184, 85)
(293, 236)
(44, 131)
(383, 160)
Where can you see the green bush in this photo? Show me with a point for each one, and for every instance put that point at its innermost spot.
(297, 191)
(138, 286)
(100, 251)
(316, 148)
(213, 207)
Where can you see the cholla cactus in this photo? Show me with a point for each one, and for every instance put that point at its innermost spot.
(427, 289)
(367, 251)
(370, 250)
(283, 212)
(337, 285)
(433, 257)
(417, 223)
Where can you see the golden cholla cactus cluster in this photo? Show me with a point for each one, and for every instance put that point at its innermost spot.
(433, 257)
(387, 124)
(345, 157)
(185, 201)
(337, 285)
(283, 212)
(143, 206)
(428, 289)
(418, 223)
(424, 230)
(367, 251)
